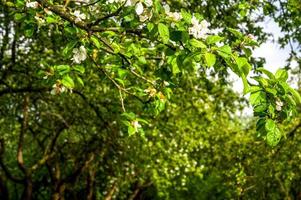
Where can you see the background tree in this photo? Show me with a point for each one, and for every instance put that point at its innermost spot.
(130, 100)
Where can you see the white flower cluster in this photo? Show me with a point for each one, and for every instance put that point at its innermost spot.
(136, 125)
(40, 20)
(199, 29)
(176, 16)
(32, 4)
(151, 91)
(58, 88)
(279, 105)
(79, 16)
(79, 54)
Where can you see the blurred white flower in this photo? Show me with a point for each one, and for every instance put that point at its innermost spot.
(194, 21)
(139, 8)
(279, 105)
(136, 125)
(199, 30)
(145, 16)
(166, 8)
(79, 16)
(33, 4)
(79, 54)
(151, 91)
(176, 16)
(252, 37)
(40, 20)
(47, 11)
(57, 88)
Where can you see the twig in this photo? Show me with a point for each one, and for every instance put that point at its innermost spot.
(115, 13)
(122, 102)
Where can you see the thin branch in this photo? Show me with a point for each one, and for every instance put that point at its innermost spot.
(22, 133)
(8, 174)
(60, 11)
(115, 13)
(122, 102)
(23, 90)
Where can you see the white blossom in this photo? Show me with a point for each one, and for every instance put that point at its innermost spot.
(166, 8)
(199, 30)
(57, 88)
(40, 20)
(194, 21)
(33, 4)
(79, 54)
(151, 91)
(136, 125)
(165, 83)
(279, 105)
(47, 11)
(252, 37)
(145, 16)
(176, 16)
(79, 16)
(139, 8)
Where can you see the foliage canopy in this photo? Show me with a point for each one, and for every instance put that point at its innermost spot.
(130, 100)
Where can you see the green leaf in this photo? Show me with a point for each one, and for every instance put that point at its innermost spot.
(68, 82)
(291, 101)
(281, 74)
(51, 20)
(197, 43)
(260, 127)
(273, 137)
(62, 69)
(150, 26)
(116, 47)
(18, 16)
(257, 98)
(95, 41)
(131, 130)
(270, 125)
(235, 32)
(80, 81)
(130, 116)
(29, 32)
(255, 88)
(212, 39)
(163, 32)
(186, 16)
(260, 109)
(243, 65)
(68, 49)
(296, 95)
(245, 83)
(79, 68)
(224, 51)
(210, 59)
(271, 91)
(266, 72)
(262, 81)
(174, 65)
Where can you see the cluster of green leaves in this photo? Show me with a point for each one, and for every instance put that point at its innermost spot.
(147, 79)
(274, 101)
